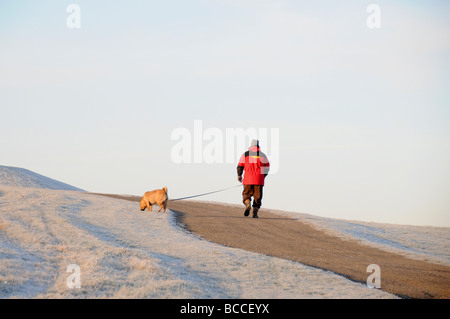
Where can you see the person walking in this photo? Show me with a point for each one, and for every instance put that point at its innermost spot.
(256, 166)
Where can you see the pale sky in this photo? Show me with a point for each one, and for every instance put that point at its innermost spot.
(363, 114)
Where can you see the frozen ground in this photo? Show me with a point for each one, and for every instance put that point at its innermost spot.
(15, 176)
(427, 243)
(124, 253)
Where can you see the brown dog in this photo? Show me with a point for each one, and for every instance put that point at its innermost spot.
(158, 196)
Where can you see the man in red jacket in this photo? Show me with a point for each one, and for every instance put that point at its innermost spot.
(256, 167)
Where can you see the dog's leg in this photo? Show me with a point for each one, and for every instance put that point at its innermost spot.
(149, 205)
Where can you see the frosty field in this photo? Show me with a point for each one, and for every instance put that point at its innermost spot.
(124, 253)
(47, 227)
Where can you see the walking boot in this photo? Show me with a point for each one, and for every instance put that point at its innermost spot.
(255, 212)
(247, 207)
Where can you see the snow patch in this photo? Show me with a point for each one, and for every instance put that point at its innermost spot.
(20, 177)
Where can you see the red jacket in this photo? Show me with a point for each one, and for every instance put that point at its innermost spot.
(256, 166)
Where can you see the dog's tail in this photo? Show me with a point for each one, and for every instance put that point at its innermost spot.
(165, 191)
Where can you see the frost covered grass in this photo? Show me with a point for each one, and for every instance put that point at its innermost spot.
(124, 253)
(20, 177)
(426, 243)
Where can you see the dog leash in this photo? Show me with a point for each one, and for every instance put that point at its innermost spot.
(203, 194)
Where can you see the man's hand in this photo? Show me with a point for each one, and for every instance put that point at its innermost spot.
(240, 179)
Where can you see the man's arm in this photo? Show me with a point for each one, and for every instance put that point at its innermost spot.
(240, 171)
(240, 167)
(265, 165)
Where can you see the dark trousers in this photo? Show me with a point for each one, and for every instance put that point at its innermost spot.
(255, 191)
